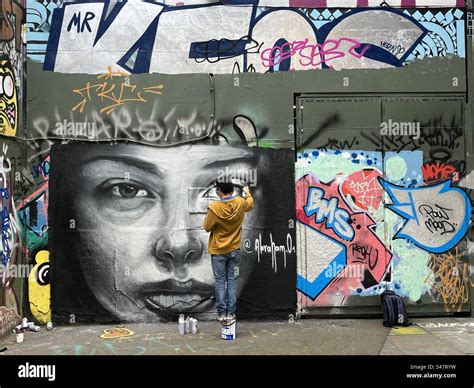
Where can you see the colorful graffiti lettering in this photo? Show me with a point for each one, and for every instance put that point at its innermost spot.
(439, 171)
(437, 216)
(10, 226)
(336, 218)
(8, 99)
(33, 213)
(10, 248)
(253, 43)
(358, 261)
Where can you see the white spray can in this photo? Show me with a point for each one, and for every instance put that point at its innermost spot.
(186, 325)
(33, 327)
(181, 324)
(193, 324)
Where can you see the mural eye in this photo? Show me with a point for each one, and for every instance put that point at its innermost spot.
(8, 86)
(211, 192)
(126, 190)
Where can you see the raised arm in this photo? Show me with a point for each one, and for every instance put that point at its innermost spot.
(248, 200)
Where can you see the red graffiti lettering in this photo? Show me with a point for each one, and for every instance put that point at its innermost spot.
(433, 172)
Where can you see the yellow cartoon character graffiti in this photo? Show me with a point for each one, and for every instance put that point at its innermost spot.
(39, 289)
(8, 99)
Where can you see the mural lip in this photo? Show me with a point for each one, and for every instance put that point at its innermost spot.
(172, 294)
(176, 303)
(176, 286)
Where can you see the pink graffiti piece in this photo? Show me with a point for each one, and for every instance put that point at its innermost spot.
(363, 250)
(310, 54)
(364, 187)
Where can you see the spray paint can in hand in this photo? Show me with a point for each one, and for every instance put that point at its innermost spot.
(181, 324)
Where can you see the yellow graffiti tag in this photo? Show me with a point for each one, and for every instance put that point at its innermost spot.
(113, 93)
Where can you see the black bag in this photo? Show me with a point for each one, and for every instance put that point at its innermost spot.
(394, 311)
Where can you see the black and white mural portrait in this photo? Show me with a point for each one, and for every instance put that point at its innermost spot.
(126, 235)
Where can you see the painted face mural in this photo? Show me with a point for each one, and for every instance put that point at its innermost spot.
(8, 99)
(135, 222)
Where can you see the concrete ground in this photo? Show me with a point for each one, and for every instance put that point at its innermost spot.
(434, 336)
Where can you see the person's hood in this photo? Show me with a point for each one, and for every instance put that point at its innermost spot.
(227, 209)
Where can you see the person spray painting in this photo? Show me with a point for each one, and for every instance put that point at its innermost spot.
(224, 222)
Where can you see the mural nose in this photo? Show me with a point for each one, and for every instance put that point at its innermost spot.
(176, 250)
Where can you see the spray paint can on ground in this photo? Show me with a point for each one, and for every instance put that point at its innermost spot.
(228, 329)
(181, 328)
(33, 327)
(186, 325)
(193, 325)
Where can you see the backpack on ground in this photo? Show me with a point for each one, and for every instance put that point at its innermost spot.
(394, 311)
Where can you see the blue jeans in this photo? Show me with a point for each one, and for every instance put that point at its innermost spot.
(226, 269)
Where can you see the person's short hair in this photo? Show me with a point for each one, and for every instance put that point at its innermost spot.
(225, 187)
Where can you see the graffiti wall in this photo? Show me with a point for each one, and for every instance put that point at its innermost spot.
(381, 225)
(12, 269)
(12, 181)
(127, 236)
(218, 37)
(135, 107)
(12, 58)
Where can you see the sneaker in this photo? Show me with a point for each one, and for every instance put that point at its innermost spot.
(221, 318)
(230, 317)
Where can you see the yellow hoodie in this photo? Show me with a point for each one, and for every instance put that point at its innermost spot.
(224, 220)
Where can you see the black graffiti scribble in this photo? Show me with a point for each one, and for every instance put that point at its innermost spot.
(215, 50)
(330, 122)
(365, 254)
(437, 219)
(336, 144)
(441, 138)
